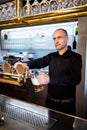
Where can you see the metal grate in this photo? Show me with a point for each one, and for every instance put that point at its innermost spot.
(30, 117)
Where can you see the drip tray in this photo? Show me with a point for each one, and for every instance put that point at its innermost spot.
(26, 116)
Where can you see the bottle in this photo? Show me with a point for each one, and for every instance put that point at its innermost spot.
(76, 30)
(74, 44)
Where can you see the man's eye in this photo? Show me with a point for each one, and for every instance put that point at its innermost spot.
(54, 38)
(59, 37)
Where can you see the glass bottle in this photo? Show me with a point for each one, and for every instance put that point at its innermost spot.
(74, 44)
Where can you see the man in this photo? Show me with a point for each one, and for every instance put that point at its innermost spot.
(64, 74)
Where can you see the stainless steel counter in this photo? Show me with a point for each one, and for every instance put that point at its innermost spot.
(26, 116)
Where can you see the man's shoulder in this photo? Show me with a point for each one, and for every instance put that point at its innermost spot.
(73, 53)
(76, 54)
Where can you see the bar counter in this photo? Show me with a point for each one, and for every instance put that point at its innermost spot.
(20, 115)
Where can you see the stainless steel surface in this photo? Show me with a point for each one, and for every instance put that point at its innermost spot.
(23, 115)
(19, 115)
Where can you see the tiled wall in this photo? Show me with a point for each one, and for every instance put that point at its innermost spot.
(35, 39)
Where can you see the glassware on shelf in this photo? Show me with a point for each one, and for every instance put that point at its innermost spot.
(26, 8)
(84, 2)
(67, 3)
(53, 5)
(44, 5)
(81, 2)
(76, 2)
(63, 4)
(71, 4)
(7, 10)
(11, 12)
(1, 12)
(13, 8)
(35, 8)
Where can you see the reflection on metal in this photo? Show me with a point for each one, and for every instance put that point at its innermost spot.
(23, 113)
(18, 76)
(14, 76)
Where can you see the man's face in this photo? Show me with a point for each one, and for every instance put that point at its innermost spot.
(60, 39)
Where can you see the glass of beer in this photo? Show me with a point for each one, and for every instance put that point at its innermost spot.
(36, 84)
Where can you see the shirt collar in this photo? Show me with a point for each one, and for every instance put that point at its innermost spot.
(67, 51)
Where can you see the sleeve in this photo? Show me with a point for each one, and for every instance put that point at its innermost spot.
(76, 68)
(39, 63)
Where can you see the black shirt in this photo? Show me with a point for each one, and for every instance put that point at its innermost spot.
(64, 72)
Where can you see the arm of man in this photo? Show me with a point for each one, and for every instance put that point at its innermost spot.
(76, 70)
(42, 77)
